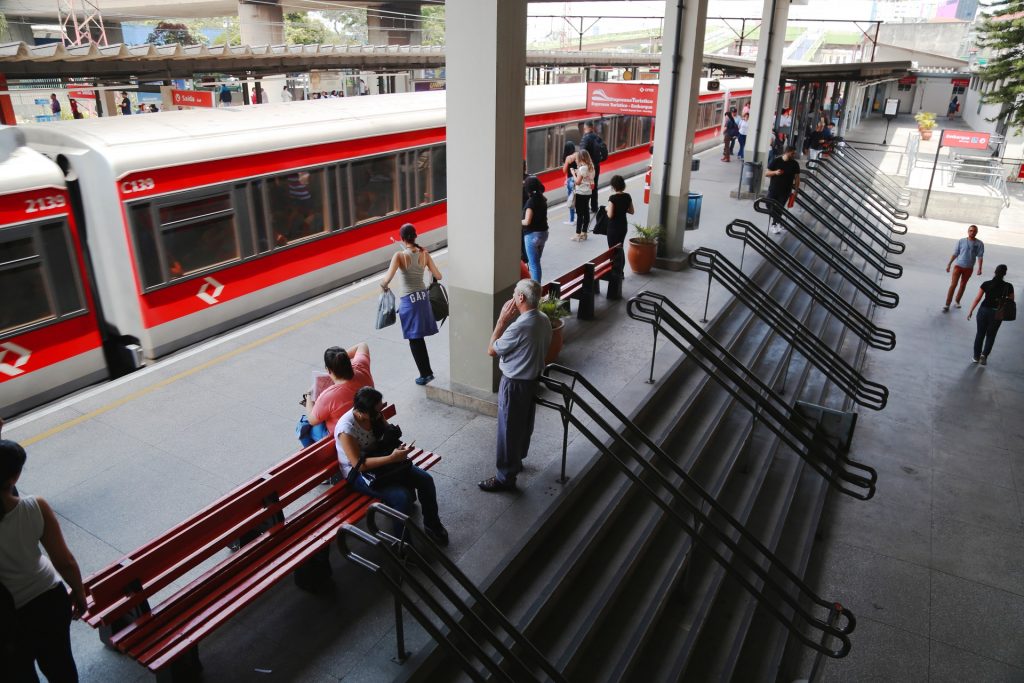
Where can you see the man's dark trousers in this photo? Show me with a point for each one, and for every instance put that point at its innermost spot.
(516, 411)
(593, 194)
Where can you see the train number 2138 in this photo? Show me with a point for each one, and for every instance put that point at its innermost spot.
(53, 201)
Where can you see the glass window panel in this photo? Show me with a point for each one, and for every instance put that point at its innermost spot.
(295, 206)
(621, 140)
(373, 185)
(199, 245)
(573, 132)
(146, 251)
(439, 172)
(554, 154)
(646, 122)
(61, 266)
(195, 208)
(26, 299)
(15, 250)
(536, 147)
(425, 193)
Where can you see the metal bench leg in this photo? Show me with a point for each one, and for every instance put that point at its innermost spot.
(185, 668)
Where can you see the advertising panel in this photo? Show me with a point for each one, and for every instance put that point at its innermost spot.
(629, 99)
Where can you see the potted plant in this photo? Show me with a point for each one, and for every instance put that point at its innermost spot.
(925, 124)
(643, 247)
(555, 309)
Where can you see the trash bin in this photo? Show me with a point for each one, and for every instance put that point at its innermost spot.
(693, 211)
(750, 180)
(694, 164)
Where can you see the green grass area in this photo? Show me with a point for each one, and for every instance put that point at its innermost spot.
(792, 33)
(842, 38)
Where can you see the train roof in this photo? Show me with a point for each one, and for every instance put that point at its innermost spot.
(22, 168)
(146, 141)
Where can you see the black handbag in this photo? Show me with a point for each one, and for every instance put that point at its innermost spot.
(1007, 308)
(601, 221)
(438, 296)
(389, 437)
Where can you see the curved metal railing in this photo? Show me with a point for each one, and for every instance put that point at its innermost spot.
(853, 213)
(860, 190)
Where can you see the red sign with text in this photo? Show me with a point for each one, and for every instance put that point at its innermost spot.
(960, 82)
(192, 98)
(968, 139)
(629, 99)
(81, 93)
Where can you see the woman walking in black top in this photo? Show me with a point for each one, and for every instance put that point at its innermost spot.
(619, 204)
(535, 225)
(995, 292)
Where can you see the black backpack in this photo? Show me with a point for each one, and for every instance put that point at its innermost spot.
(600, 150)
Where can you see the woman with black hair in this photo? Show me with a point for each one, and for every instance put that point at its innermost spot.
(535, 225)
(43, 610)
(995, 292)
(358, 435)
(414, 300)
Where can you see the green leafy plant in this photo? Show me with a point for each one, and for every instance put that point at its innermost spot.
(647, 234)
(553, 307)
(925, 120)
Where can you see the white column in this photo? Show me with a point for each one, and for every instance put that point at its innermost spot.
(486, 64)
(678, 88)
(767, 72)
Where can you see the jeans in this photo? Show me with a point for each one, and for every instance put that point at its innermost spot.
(399, 496)
(570, 185)
(743, 144)
(583, 212)
(535, 242)
(987, 328)
(43, 637)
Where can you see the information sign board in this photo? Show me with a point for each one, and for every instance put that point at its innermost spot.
(629, 99)
(892, 106)
(192, 98)
(967, 139)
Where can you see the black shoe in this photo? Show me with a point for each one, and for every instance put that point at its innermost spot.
(494, 485)
(438, 534)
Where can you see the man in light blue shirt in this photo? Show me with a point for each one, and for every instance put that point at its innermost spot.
(968, 250)
(520, 347)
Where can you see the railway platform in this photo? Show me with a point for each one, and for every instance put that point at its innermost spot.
(930, 566)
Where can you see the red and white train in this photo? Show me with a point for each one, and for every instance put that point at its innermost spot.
(131, 237)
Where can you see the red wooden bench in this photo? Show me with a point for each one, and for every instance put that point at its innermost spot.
(582, 282)
(165, 637)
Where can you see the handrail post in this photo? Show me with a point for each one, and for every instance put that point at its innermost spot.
(567, 401)
(654, 346)
(402, 654)
(707, 299)
(833, 615)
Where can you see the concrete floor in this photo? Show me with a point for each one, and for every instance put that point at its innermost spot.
(931, 566)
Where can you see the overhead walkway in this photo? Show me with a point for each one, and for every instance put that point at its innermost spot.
(928, 565)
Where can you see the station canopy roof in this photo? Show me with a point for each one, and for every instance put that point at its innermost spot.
(801, 71)
(20, 60)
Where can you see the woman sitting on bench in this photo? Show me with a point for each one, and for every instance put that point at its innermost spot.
(376, 464)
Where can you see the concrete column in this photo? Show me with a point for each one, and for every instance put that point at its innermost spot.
(486, 46)
(261, 23)
(391, 25)
(679, 87)
(109, 102)
(767, 76)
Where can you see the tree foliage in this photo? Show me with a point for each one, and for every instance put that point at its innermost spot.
(169, 32)
(1001, 34)
(348, 25)
(433, 24)
(302, 29)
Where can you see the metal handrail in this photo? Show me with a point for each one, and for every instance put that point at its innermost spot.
(771, 207)
(518, 661)
(802, 276)
(858, 215)
(864, 392)
(628, 457)
(831, 173)
(856, 244)
(852, 184)
(855, 159)
(831, 462)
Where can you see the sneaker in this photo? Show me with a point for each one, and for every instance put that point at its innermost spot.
(424, 380)
(495, 485)
(574, 238)
(974, 360)
(957, 305)
(568, 222)
(438, 535)
(984, 359)
(945, 309)
(776, 230)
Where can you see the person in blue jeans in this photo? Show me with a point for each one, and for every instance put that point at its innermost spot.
(568, 166)
(535, 225)
(994, 292)
(355, 434)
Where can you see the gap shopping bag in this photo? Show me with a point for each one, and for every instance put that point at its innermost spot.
(386, 315)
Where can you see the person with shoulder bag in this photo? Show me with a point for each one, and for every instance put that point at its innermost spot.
(376, 463)
(583, 177)
(998, 305)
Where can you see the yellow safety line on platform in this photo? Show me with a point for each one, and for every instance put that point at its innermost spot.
(181, 375)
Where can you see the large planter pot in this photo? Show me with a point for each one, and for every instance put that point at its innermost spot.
(557, 341)
(926, 133)
(641, 255)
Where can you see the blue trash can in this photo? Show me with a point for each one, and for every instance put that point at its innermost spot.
(693, 211)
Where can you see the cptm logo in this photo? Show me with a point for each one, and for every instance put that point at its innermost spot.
(210, 290)
(19, 359)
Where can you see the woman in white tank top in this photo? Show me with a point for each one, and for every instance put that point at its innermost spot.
(409, 266)
(42, 610)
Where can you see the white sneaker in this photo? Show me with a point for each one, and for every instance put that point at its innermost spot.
(974, 360)
(776, 230)
(957, 305)
(945, 309)
(568, 222)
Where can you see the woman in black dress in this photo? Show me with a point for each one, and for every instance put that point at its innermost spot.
(619, 204)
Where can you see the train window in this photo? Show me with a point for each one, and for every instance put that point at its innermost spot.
(63, 271)
(373, 187)
(573, 132)
(344, 199)
(439, 172)
(296, 205)
(536, 150)
(205, 243)
(424, 192)
(622, 137)
(146, 248)
(23, 282)
(645, 129)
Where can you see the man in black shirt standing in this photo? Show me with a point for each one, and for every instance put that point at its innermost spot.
(784, 172)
